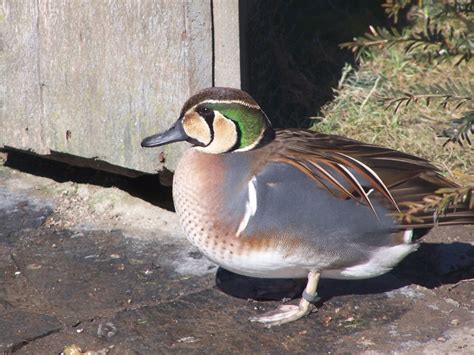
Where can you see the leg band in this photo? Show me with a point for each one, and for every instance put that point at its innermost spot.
(311, 298)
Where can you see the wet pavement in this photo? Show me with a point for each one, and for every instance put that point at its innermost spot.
(95, 267)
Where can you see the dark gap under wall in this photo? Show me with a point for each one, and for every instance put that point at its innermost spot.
(147, 187)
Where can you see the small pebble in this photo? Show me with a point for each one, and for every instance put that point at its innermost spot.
(455, 322)
(452, 302)
(33, 267)
(187, 340)
(91, 256)
(327, 320)
(365, 342)
(106, 330)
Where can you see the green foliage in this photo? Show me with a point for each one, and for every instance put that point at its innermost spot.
(394, 7)
(401, 100)
(448, 93)
(413, 85)
(455, 94)
(439, 32)
(442, 32)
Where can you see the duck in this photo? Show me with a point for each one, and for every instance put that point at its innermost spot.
(294, 203)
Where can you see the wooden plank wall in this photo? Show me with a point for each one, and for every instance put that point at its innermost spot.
(91, 78)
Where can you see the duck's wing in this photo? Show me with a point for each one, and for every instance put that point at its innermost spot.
(350, 169)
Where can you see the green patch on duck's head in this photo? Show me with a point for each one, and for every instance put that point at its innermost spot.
(223, 120)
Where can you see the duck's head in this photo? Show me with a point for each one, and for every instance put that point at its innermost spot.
(217, 120)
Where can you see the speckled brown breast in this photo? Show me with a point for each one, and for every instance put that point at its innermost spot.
(197, 193)
(199, 190)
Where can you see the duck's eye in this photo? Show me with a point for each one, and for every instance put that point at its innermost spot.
(204, 110)
(206, 113)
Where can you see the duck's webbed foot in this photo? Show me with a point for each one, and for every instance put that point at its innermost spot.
(289, 313)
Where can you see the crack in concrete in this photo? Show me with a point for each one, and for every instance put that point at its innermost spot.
(25, 342)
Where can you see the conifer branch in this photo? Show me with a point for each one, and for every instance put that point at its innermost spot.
(434, 42)
(452, 95)
(460, 129)
(442, 200)
(448, 95)
(393, 7)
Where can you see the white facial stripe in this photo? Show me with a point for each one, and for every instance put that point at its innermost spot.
(239, 102)
(250, 206)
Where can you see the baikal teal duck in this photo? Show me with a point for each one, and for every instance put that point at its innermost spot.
(294, 203)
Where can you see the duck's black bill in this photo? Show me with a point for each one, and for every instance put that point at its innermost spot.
(174, 134)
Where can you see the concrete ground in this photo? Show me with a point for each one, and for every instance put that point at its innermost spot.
(93, 268)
